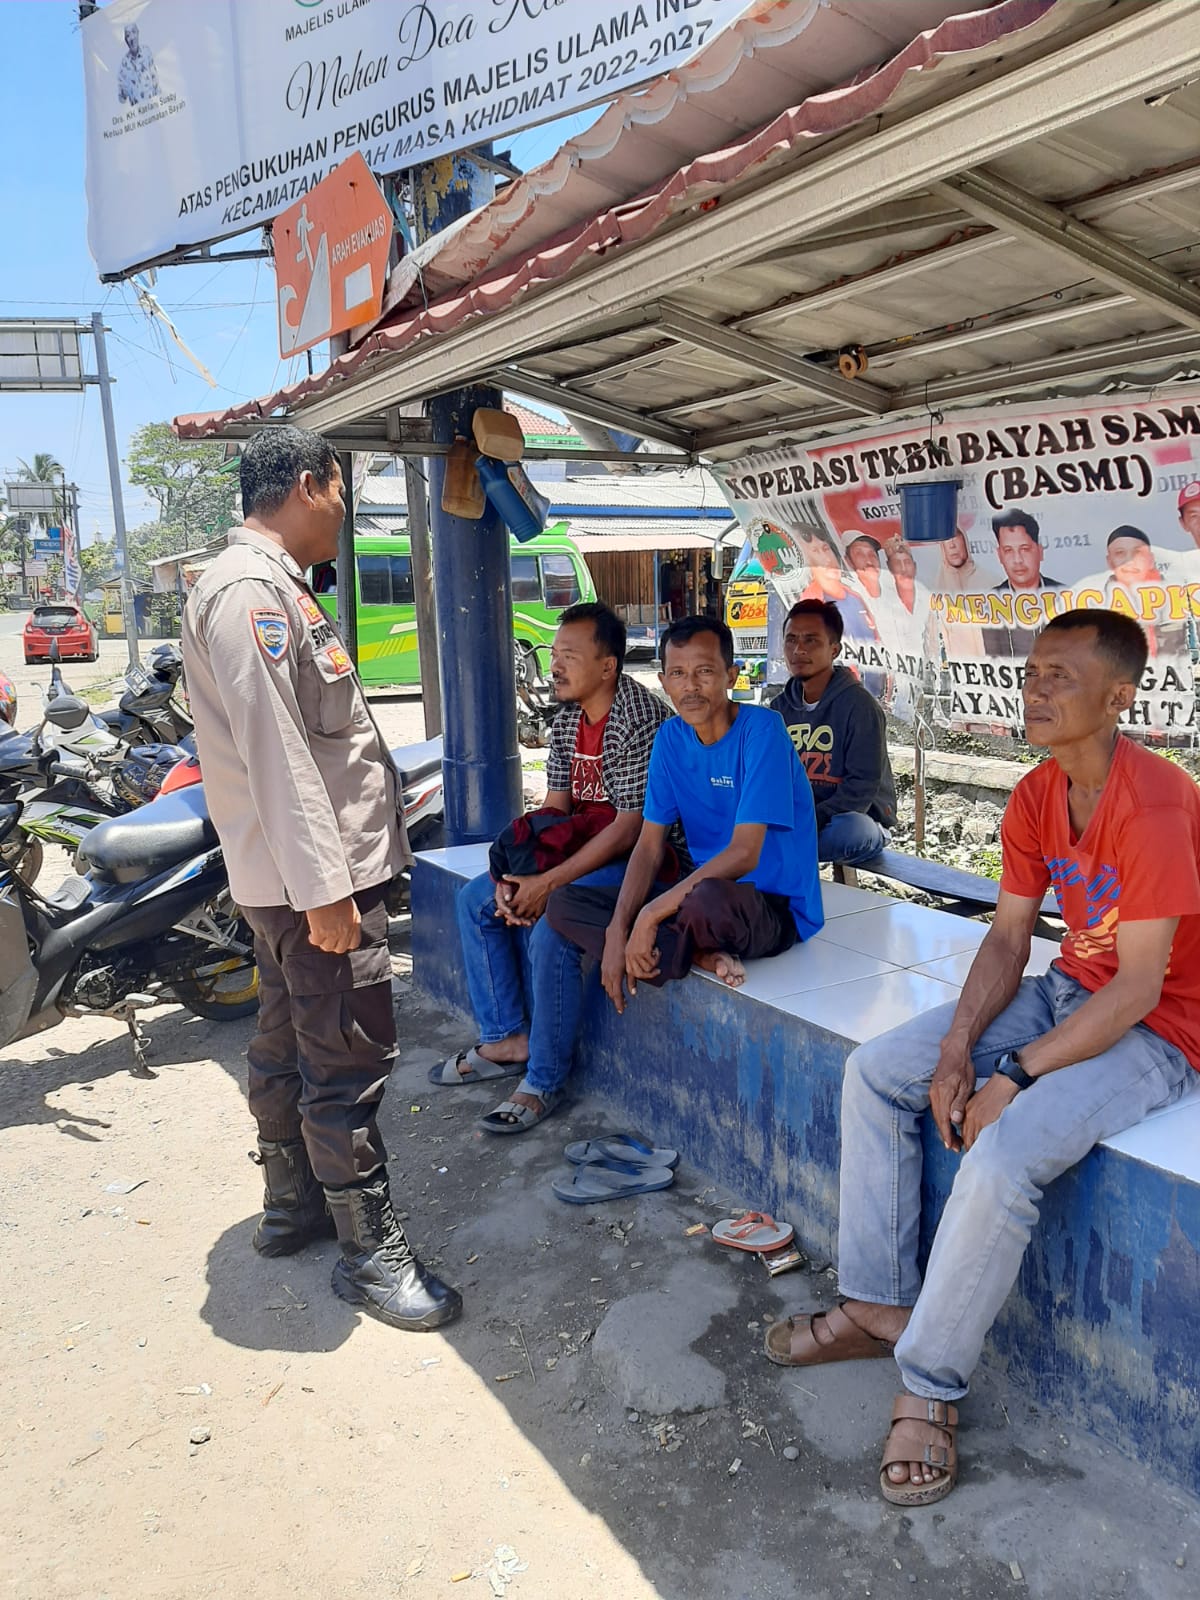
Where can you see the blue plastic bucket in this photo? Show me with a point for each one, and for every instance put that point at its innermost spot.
(929, 511)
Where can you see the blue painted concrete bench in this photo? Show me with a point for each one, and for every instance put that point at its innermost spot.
(1103, 1328)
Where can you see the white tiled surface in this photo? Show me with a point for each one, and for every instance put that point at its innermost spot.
(868, 1006)
(879, 962)
(1168, 1139)
(839, 899)
(954, 969)
(903, 934)
(806, 966)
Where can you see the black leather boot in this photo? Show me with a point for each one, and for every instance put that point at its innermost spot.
(378, 1270)
(294, 1208)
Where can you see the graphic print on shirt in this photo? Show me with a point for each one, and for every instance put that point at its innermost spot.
(587, 763)
(813, 743)
(1102, 891)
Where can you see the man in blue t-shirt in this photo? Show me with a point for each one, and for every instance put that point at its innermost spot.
(730, 775)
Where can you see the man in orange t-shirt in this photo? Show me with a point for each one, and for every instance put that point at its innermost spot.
(1023, 1075)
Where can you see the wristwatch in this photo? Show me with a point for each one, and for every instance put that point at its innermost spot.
(1009, 1066)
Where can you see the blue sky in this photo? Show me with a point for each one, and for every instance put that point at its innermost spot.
(225, 314)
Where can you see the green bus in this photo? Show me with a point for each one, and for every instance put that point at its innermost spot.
(548, 575)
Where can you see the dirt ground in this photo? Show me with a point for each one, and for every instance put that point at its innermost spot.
(530, 1450)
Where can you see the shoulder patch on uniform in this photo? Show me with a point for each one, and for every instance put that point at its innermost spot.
(309, 608)
(271, 631)
(339, 660)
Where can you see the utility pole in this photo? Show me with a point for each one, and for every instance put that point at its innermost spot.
(472, 578)
(114, 478)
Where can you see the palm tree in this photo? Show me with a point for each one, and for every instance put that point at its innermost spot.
(48, 470)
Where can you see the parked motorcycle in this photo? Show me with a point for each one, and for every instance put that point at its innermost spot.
(151, 710)
(536, 704)
(151, 920)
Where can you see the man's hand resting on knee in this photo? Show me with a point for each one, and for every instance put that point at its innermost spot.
(952, 1087)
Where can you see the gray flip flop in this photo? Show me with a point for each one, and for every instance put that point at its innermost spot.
(524, 1117)
(610, 1180)
(620, 1147)
(482, 1070)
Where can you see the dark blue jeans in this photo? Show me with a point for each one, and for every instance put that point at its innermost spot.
(851, 837)
(525, 980)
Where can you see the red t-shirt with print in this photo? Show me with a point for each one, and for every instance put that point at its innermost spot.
(587, 763)
(1137, 859)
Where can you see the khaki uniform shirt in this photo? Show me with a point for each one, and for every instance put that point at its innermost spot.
(299, 783)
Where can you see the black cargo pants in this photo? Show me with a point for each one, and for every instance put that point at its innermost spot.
(326, 1039)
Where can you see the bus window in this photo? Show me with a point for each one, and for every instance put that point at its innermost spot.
(561, 582)
(525, 585)
(385, 581)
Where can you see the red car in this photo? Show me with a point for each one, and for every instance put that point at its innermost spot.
(63, 622)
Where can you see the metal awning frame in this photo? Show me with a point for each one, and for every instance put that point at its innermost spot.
(931, 159)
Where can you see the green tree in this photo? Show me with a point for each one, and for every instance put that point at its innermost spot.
(192, 484)
(45, 468)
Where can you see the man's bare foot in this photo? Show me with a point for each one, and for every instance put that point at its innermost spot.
(508, 1052)
(889, 1322)
(722, 965)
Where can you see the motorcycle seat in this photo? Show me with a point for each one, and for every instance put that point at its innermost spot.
(415, 762)
(151, 839)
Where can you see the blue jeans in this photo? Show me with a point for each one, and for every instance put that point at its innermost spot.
(525, 980)
(994, 1202)
(851, 837)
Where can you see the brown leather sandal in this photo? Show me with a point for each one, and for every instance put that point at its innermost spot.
(921, 1430)
(825, 1336)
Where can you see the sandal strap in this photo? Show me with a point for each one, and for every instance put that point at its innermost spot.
(938, 1413)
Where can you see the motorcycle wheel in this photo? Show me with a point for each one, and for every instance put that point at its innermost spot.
(24, 857)
(226, 991)
(222, 991)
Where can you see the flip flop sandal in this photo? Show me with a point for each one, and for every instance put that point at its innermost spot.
(610, 1180)
(921, 1430)
(509, 1117)
(481, 1069)
(755, 1231)
(620, 1147)
(826, 1336)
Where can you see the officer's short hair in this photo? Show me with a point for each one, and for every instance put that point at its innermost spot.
(272, 462)
(607, 627)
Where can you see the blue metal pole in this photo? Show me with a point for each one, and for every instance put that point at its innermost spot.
(473, 585)
(471, 577)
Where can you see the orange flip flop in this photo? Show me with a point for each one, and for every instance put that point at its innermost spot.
(756, 1231)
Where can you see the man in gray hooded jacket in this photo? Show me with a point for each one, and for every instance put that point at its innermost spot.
(839, 732)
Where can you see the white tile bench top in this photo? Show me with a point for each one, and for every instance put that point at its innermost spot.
(878, 962)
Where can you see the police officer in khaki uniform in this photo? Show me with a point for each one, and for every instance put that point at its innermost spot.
(307, 804)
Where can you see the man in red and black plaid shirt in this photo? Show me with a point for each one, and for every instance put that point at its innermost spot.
(526, 985)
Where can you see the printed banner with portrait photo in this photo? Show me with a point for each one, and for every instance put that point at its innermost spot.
(1095, 504)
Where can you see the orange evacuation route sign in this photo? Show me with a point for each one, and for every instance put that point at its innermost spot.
(331, 255)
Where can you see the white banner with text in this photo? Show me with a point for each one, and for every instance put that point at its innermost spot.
(207, 120)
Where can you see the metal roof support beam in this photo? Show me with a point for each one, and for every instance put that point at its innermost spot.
(1141, 52)
(592, 409)
(1101, 360)
(754, 353)
(994, 199)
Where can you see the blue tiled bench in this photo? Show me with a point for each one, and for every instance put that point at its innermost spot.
(1104, 1325)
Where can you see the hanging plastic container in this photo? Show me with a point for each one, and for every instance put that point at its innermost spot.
(929, 511)
(513, 497)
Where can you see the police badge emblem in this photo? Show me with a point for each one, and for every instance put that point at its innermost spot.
(271, 631)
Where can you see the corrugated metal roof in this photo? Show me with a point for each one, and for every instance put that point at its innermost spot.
(645, 533)
(710, 313)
